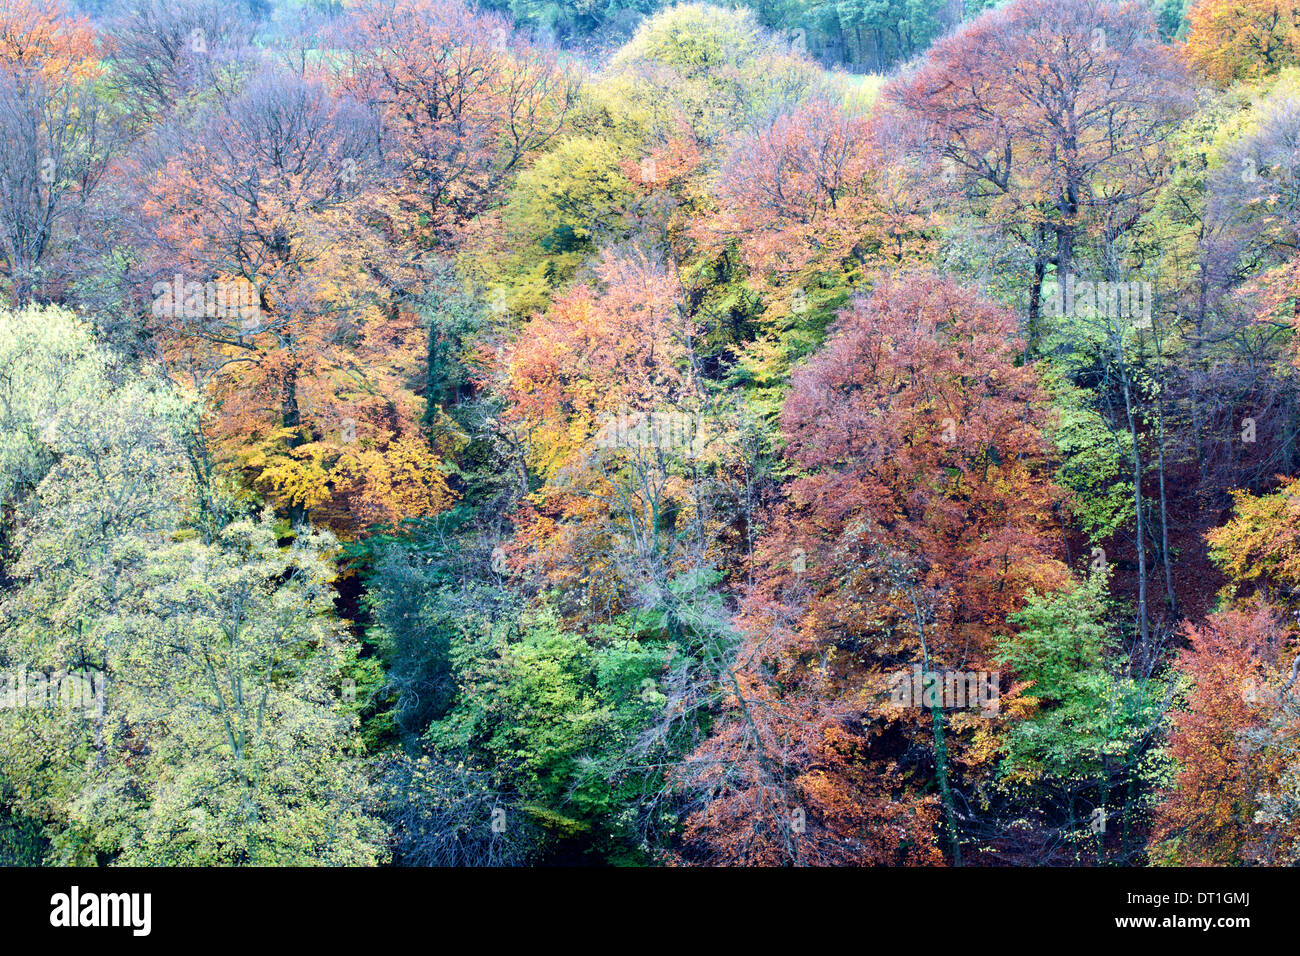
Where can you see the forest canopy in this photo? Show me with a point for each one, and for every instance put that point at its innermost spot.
(439, 434)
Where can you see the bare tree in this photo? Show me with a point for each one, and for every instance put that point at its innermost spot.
(57, 142)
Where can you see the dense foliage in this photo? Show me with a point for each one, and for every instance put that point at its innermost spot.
(829, 434)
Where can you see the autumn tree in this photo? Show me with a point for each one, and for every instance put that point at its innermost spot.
(1209, 815)
(39, 36)
(816, 203)
(47, 358)
(794, 772)
(464, 105)
(276, 292)
(711, 69)
(1230, 738)
(167, 53)
(1258, 548)
(610, 412)
(1052, 119)
(812, 187)
(59, 138)
(1242, 39)
(1255, 199)
(918, 521)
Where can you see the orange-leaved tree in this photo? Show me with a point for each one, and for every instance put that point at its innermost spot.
(464, 104)
(606, 400)
(1230, 800)
(1231, 40)
(277, 293)
(811, 190)
(57, 136)
(40, 35)
(921, 518)
(1209, 815)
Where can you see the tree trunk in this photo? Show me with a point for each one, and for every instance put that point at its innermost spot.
(1139, 536)
(292, 418)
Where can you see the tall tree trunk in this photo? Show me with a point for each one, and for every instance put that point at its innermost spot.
(945, 791)
(940, 748)
(1140, 535)
(1171, 598)
(1034, 321)
(292, 418)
